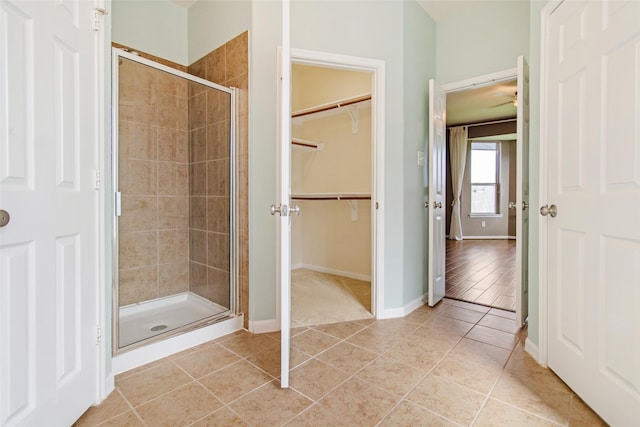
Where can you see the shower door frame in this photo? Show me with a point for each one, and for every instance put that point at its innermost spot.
(117, 53)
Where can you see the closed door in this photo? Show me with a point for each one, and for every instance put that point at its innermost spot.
(48, 250)
(591, 214)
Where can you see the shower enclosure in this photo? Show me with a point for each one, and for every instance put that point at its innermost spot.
(173, 168)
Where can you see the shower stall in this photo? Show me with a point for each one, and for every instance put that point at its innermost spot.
(174, 233)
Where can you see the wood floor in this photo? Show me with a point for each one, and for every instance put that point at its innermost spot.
(482, 271)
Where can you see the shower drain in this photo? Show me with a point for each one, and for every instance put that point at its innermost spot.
(158, 328)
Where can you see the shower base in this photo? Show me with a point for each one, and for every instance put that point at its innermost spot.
(141, 321)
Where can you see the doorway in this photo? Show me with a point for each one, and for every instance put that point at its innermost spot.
(331, 185)
(481, 258)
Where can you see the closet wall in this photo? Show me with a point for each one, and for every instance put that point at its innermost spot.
(332, 235)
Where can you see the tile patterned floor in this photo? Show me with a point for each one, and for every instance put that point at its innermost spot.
(457, 364)
(482, 271)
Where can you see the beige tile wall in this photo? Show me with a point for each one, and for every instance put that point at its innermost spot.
(227, 66)
(153, 179)
(156, 234)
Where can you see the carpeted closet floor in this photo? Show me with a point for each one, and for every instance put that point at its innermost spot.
(321, 298)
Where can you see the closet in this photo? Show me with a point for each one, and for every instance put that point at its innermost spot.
(331, 182)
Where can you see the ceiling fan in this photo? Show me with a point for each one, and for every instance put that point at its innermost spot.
(514, 101)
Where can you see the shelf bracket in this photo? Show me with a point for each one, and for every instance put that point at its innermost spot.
(353, 113)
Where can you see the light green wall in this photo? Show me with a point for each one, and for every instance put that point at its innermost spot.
(419, 44)
(158, 28)
(212, 23)
(482, 40)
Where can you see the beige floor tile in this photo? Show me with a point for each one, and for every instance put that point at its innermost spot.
(500, 323)
(481, 353)
(493, 336)
(182, 406)
(417, 354)
(314, 378)
(496, 413)
(128, 419)
(395, 327)
(374, 340)
(583, 415)
(460, 313)
(546, 402)
(269, 360)
(448, 399)
(450, 326)
(233, 381)
(469, 306)
(347, 357)
(151, 383)
(270, 405)
(467, 373)
(248, 344)
(435, 337)
(420, 316)
(223, 417)
(206, 360)
(362, 404)
(140, 369)
(410, 414)
(313, 342)
(112, 406)
(340, 330)
(521, 364)
(316, 416)
(391, 375)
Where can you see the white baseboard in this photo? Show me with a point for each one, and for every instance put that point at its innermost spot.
(394, 313)
(264, 326)
(488, 237)
(159, 349)
(532, 348)
(320, 269)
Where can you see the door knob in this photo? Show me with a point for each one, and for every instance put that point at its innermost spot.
(294, 210)
(552, 210)
(437, 205)
(512, 205)
(275, 209)
(525, 206)
(4, 217)
(426, 205)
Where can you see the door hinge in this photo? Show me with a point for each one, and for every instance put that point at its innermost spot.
(98, 13)
(98, 334)
(97, 183)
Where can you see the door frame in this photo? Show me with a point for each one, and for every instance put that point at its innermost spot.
(485, 80)
(377, 70)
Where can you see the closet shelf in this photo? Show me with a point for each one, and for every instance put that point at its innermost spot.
(332, 105)
(331, 196)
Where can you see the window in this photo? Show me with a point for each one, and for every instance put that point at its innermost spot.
(485, 174)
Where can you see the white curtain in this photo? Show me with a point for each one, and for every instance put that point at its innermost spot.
(458, 155)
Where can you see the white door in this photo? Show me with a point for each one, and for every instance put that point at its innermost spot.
(522, 194)
(591, 134)
(281, 209)
(48, 250)
(436, 208)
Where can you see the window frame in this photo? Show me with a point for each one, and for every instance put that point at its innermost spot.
(497, 184)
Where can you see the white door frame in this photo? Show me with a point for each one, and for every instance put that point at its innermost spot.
(377, 70)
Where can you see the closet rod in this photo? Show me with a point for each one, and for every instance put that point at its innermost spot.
(494, 122)
(332, 106)
(302, 144)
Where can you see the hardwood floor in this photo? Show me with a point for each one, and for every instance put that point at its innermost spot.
(482, 271)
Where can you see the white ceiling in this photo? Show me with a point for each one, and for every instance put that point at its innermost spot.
(483, 104)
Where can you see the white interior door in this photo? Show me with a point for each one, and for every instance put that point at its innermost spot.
(436, 208)
(48, 250)
(281, 210)
(591, 134)
(522, 194)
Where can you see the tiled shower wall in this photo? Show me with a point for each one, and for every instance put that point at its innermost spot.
(146, 250)
(227, 66)
(153, 179)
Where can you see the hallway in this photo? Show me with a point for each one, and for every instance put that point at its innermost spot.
(457, 364)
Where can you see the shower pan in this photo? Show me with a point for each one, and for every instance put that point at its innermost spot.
(174, 236)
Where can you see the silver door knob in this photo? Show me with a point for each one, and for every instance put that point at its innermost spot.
(426, 205)
(512, 205)
(525, 206)
(552, 210)
(294, 210)
(437, 205)
(4, 217)
(275, 209)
